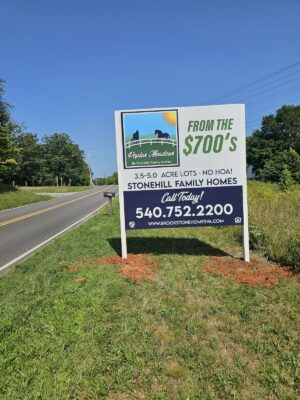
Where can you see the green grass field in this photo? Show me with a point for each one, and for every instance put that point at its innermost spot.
(55, 189)
(11, 197)
(151, 159)
(188, 335)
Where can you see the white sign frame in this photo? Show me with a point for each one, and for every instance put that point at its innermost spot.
(122, 171)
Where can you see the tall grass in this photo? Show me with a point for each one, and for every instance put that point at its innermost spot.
(54, 189)
(274, 218)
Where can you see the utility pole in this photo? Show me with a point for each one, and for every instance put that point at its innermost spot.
(91, 176)
(89, 157)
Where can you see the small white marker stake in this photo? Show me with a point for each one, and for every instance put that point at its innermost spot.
(245, 226)
(245, 203)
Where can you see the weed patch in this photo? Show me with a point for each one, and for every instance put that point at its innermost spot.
(274, 218)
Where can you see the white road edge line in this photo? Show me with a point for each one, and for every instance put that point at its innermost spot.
(19, 258)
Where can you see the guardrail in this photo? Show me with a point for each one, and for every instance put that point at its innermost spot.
(161, 141)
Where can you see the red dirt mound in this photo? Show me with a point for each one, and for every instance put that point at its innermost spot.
(253, 273)
(137, 267)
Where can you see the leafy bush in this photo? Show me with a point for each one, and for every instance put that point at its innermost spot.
(257, 237)
(286, 181)
(281, 165)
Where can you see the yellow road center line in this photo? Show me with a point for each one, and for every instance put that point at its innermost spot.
(21, 218)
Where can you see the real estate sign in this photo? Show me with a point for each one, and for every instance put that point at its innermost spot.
(182, 167)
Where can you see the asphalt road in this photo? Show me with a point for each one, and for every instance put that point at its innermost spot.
(25, 229)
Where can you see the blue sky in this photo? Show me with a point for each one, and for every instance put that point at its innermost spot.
(147, 123)
(69, 64)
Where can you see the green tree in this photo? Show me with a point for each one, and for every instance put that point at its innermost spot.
(287, 160)
(115, 176)
(29, 160)
(24, 159)
(99, 181)
(8, 148)
(63, 159)
(84, 177)
(276, 145)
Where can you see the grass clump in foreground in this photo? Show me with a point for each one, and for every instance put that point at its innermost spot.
(89, 333)
(55, 189)
(274, 218)
(11, 197)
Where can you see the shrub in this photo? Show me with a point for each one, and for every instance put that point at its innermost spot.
(257, 237)
(285, 180)
(274, 220)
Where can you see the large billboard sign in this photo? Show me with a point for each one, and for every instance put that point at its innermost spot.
(182, 167)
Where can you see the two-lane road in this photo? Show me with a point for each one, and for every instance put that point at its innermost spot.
(25, 229)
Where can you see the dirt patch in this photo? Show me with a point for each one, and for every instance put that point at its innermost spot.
(83, 264)
(71, 268)
(137, 267)
(80, 278)
(253, 273)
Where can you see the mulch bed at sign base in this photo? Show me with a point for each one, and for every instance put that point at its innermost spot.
(141, 267)
(137, 267)
(251, 274)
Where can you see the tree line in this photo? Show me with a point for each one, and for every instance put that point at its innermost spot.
(274, 149)
(107, 180)
(24, 159)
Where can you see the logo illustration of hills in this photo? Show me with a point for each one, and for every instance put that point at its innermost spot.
(150, 139)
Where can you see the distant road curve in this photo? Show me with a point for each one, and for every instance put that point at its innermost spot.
(24, 230)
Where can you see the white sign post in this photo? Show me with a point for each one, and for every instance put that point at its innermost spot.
(182, 167)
